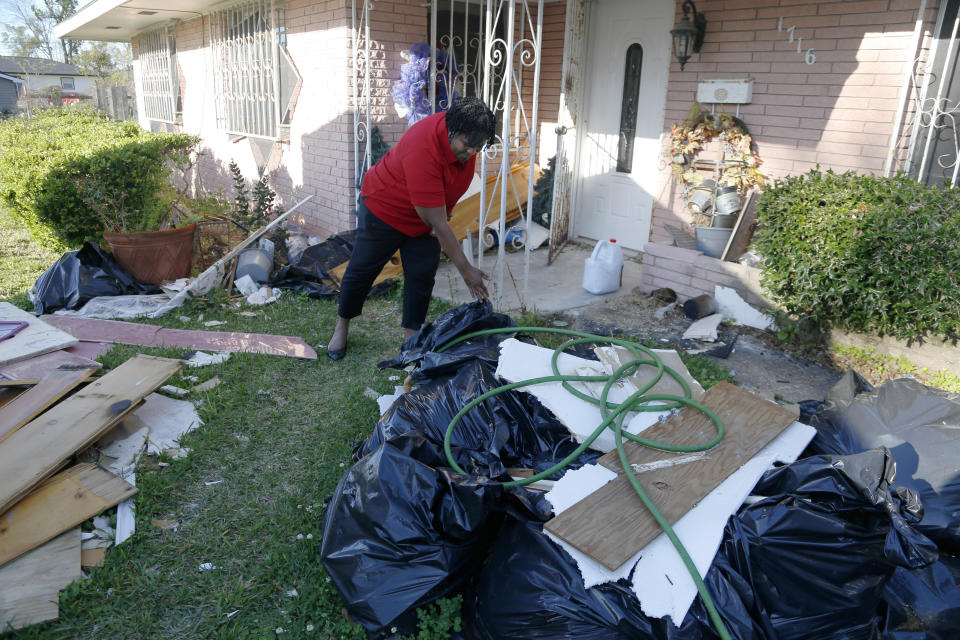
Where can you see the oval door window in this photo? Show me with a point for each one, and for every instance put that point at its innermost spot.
(628, 108)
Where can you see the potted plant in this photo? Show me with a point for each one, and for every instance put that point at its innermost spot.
(146, 225)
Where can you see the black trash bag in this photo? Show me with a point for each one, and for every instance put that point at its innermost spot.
(923, 604)
(819, 550)
(466, 318)
(919, 425)
(400, 532)
(81, 275)
(511, 429)
(531, 589)
(313, 268)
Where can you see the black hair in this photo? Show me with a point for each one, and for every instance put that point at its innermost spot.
(472, 118)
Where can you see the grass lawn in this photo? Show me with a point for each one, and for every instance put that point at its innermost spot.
(278, 433)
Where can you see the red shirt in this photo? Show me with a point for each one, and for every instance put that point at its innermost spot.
(420, 171)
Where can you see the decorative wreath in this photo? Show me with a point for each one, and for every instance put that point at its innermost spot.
(688, 137)
(411, 93)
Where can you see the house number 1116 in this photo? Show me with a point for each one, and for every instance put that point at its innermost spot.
(810, 57)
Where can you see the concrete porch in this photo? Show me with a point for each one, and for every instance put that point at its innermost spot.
(551, 288)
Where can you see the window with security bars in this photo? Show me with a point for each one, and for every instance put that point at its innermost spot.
(254, 75)
(157, 62)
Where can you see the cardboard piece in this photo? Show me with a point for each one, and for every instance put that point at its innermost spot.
(154, 336)
(38, 338)
(30, 585)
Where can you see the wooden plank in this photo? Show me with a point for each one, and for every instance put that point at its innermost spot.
(36, 450)
(30, 585)
(466, 215)
(38, 338)
(742, 230)
(37, 399)
(9, 394)
(153, 336)
(28, 382)
(64, 501)
(93, 557)
(39, 366)
(611, 525)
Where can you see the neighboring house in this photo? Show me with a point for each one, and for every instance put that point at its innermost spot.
(39, 74)
(9, 92)
(293, 88)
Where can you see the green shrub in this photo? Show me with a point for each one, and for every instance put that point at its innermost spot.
(868, 254)
(68, 174)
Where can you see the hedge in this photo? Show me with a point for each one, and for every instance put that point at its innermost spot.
(46, 157)
(863, 253)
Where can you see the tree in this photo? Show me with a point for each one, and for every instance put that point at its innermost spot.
(31, 37)
(96, 60)
(30, 32)
(52, 12)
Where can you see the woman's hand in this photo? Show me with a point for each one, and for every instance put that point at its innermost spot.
(474, 278)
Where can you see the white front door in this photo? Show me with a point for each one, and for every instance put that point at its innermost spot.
(617, 183)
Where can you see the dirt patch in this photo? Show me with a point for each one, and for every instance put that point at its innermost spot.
(757, 359)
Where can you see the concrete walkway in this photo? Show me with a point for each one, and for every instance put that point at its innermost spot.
(550, 288)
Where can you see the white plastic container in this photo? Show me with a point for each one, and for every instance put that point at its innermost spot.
(603, 270)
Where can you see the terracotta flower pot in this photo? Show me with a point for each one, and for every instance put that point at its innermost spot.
(154, 256)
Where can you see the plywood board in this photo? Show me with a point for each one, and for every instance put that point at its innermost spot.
(37, 449)
(466, 215)
(39, 366)
(42, 395)
(743, 230)
(30, 585)
(62, 502)
(611, 525)
(153, 336)
(38, 338)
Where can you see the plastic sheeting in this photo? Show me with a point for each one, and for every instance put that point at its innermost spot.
(401, 531)
(81, 275)
(810, 561)
(920, 426)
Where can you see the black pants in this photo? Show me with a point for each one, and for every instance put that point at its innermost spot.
(376, 243)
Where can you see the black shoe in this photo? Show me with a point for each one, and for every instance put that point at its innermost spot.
(337, 354)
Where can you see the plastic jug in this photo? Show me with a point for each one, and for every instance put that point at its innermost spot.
(603, 270)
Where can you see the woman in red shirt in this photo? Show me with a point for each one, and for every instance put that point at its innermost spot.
(405, 203)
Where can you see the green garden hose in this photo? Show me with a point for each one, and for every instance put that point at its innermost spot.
(613, 416)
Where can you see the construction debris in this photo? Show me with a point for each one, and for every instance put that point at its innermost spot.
(704, 328)
(36, 339)
(827, 543)
(41, 547)
(734, 308)
(155, 336)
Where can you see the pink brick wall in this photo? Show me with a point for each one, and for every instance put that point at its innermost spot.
(837, 113)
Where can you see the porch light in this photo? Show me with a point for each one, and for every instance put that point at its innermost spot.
(687, 35)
